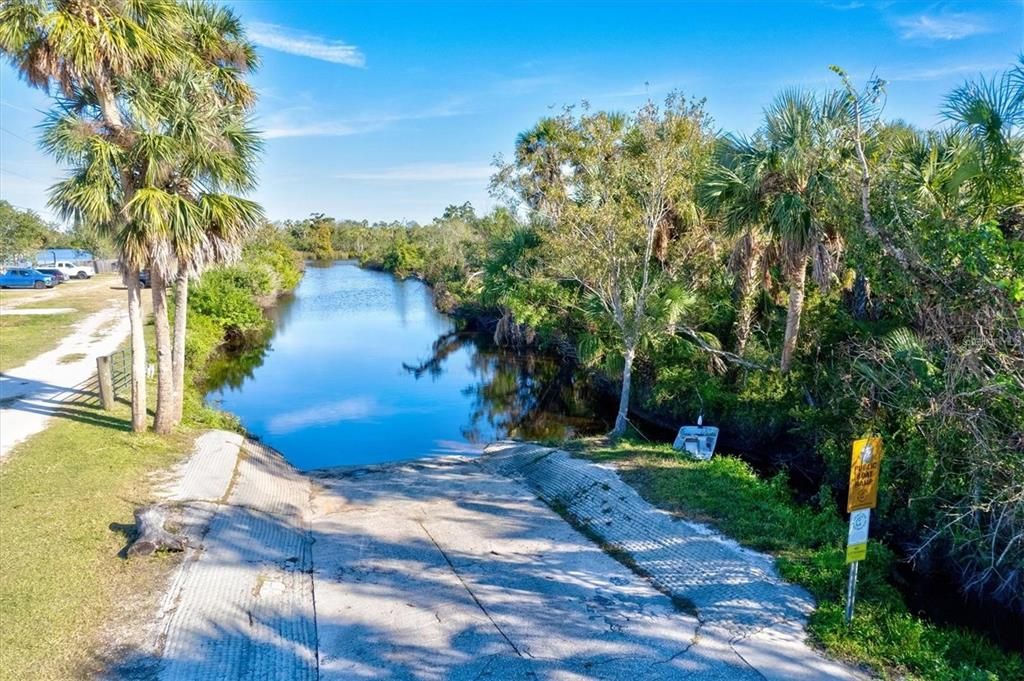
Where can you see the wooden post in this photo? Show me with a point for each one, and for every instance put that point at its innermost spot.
(106, 381)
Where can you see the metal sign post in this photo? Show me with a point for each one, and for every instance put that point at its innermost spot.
(856, 551)
(851, 590)
(865, 465)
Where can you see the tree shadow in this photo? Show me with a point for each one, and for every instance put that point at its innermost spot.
(428, 570)
(79, 403)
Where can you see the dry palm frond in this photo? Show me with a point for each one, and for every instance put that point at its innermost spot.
(824, 265)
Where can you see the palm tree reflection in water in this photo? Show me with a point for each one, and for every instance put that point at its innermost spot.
(521, 396)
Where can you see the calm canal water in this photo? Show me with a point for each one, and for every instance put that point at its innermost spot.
(361, 368)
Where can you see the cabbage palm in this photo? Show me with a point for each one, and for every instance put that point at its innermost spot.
(974, 168)
(803, 135)
(789, 178)
(201, 108)
(988, 115)
(218, 39)
(85, 50)
(732, 192)
(539, 158)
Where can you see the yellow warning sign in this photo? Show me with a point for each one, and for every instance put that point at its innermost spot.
(864, 468)
(855, 552)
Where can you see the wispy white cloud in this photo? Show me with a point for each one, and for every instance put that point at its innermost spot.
(423, 172)
(359, 408)
(297, 122)
(283, 39)
(939, 72)
(284, 129)
(947, 26)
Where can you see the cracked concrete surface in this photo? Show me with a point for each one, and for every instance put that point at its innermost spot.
(738, 594)
(455, 568)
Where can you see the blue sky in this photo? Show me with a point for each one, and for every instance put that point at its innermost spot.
(393, 110)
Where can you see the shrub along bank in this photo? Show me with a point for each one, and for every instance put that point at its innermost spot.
(226, 304)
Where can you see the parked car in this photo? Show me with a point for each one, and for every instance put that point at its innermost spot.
(70, 269)
(23, 277)
(144, 279)
(58, 276)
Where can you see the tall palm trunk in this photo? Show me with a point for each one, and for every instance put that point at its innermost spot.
(164, 421)
(138, 343)
(112, 117)
(627, 378)
(747, 293)
(178, 356)
(798, 282)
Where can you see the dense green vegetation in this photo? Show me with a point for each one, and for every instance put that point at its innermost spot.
(808, 541)
(226, 302)
(22, 232)
(835, 274)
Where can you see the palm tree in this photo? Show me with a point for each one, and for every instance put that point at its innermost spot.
(537, 154)
(804, 141)
(732, 192)
(202, 147)
(775, 190)
(925, 167)
(220, 154)
(988, 115)
(227, 220)
(975, 167)
(85, 50)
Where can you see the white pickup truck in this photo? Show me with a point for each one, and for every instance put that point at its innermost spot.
(70, 269)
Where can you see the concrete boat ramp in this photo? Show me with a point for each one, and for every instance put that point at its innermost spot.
(497, 567)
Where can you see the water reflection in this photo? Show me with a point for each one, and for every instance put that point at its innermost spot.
(521, 396)
(361, 368)
(231, 369)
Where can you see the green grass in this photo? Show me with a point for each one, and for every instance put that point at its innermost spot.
(808, 541)
(88, 296)
(67, 496)
(61, 492)
(23, 337)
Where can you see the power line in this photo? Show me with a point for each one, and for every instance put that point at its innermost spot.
(14, 134)
(14, 174)
(14, 106)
